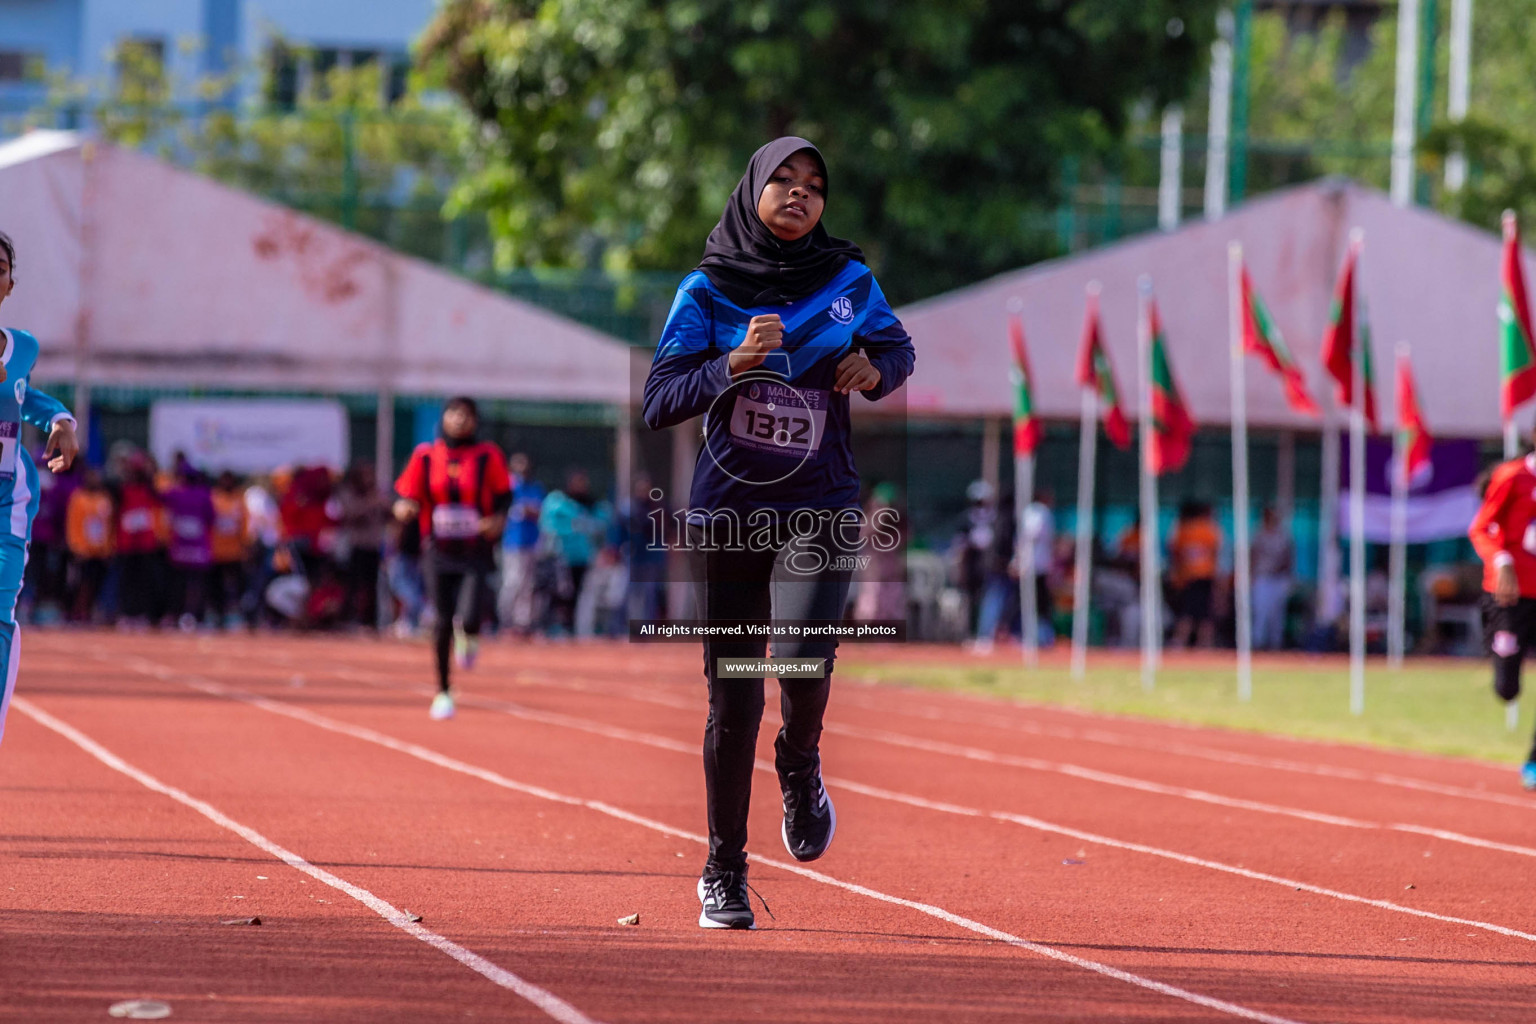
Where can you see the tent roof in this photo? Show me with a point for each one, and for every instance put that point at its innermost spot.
(141, 273)
(1427, 280)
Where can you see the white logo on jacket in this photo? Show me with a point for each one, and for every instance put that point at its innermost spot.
(21, 390)
(842, 310)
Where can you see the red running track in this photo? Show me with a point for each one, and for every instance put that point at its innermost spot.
(994, 862)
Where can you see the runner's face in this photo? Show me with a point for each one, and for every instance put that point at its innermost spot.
(459, 422)
(6, 284)
(794, 197)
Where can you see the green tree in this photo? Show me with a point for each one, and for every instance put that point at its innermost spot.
(611, 131)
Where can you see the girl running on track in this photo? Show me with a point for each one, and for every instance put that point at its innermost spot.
(767, 340)
(458, 492)
(1504, 534)
(18, 476)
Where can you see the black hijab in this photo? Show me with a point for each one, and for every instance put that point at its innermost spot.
(749, 263)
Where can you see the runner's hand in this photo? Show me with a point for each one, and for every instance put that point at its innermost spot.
(1508, 589)
(764, 334)
(856, 373)
(407, 510)
(62, 446)
(491, 526)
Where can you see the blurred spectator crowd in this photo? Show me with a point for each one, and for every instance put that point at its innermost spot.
(141, 545)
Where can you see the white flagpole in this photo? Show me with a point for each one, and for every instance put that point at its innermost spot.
(1170, 182)
(1219, 127)
(1458, 90)
(1242, 583)
(1151, 591)
(1396, 612)
(1024, 478)
(1403, 106)
(1024, 551)
(1083, 564)
(1357, 503)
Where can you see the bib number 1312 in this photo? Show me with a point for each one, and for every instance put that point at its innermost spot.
(782, 430)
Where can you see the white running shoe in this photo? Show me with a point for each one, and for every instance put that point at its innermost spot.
(442, 707)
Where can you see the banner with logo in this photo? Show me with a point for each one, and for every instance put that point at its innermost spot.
(1442, 498)
(250, 435)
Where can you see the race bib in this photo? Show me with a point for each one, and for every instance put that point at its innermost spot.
(95, 532)
(455, 522)
(138, 520)
(781, 419)
(10, 434)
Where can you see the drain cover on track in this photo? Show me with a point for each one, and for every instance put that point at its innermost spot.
(140, 1009)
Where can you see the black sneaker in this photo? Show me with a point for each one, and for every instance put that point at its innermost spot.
(723, 895)
(809, 818)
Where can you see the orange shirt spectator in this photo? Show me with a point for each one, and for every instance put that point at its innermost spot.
(88, 525)
(229, 526)
(1194, 549)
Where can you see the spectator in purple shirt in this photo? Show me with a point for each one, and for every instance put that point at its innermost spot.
(189, 505)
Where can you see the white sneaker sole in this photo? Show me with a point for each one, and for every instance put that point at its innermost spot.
(705, 922)
(831, 832)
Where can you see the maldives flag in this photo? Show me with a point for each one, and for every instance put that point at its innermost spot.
(1026, 425)
(1415, 442)
(1517, 353)
(1262, 338)
(1173, 429)
(1346, 330)
(1094, 371)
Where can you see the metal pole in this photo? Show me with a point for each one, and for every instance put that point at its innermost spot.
(1328, 606)
(1357, 510)
(1397, 597)
(1151, 626)
(1220, 116)
(1242, 575)
(1459, 86)
(1024, 476)
(1170, 187)
(1403, 104)
(1087, 450)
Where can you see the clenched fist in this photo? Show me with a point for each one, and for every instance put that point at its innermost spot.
(764, 334)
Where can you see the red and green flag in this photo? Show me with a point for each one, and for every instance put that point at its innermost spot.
(1517, 345)
(1094, 371)
(1348, 335)
(1173, 429)
(1414, 440)
(1026, 425)
(1262, 338)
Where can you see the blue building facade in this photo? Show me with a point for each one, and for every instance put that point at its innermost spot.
(192, 39)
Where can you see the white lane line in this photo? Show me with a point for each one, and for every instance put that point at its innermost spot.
(933, 746)
(496, 779)
(663, 743)
(552, 1005)
(1183, 858)
(1093, 735)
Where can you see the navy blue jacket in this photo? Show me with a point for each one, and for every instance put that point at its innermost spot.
(777, 437)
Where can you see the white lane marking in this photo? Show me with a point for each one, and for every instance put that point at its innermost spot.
(971, 753)
(1093, 735)
(551, 1004)
(1183, 858)
(663, 743)
(495, 778)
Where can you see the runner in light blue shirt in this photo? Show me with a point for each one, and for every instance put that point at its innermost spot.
(19, 404)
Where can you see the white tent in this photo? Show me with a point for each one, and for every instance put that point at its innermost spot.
(131, 271)
(1427, 280)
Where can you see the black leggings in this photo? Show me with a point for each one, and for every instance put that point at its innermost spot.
(737, 585)
(456, 592)
(1508, 632)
